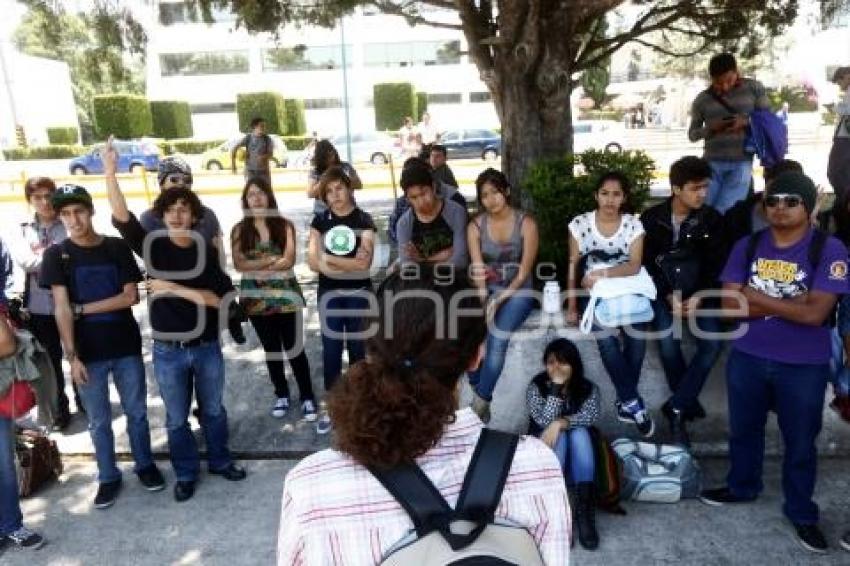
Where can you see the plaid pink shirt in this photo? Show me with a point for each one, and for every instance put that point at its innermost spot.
(334, 512)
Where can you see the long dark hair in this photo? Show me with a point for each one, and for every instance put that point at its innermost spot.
(394, 406)
(325, 156)
(625, 185)
(245, 230)
(579, 388)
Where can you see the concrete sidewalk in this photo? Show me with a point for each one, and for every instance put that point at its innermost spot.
(236, 524)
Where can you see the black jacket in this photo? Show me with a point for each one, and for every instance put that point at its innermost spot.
(701, 233)
(738, 220)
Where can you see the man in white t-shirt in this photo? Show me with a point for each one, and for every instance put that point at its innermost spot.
(427, 131)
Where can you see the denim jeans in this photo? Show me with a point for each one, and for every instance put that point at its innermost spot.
(173, 366)
(341, 323)
(840, 373)
(730, 183)
(128, 374)
(796, 393)
(574, 449)
(685, 380)
(509, 317)
(11, 518)
(622, 364)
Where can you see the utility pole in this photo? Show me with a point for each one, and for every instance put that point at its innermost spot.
(345, 89)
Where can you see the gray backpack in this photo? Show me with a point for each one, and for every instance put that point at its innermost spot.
(468, 535)
(657, 473)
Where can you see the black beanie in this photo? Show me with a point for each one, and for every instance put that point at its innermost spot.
(794, 183)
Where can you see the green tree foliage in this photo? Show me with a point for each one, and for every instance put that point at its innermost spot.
(296, 120)
(270, 106)
(125, 116)
(63, 135)
(421, 105)
(172, 119)
(393, 103)
(595, 81)
(104, 50)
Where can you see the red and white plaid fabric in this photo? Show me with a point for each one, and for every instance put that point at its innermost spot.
(334, 512)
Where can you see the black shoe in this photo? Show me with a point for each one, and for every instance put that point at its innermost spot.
(152, 478)
(62, 421)
(695, 412)
(721, 496)
(24, 539)
(845, 541)
(107, 493)
(586, 515)
(811, 538)
(184, 490)
(635, 412)
(232, 472)
(678, 427)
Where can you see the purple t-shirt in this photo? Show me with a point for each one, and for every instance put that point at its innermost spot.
(785, 273)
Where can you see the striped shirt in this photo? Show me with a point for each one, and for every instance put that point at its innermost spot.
(746, 96)
(334, 512)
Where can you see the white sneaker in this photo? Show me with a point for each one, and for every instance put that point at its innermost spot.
(324, 425)
(281, 406)
(308, 409)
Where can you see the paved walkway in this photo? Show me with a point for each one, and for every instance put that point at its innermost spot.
(236, 524)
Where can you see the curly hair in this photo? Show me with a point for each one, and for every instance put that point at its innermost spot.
(394, 406)
(169, 198)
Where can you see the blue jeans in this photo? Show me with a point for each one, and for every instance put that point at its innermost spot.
(840, 372)
(173, 367)
(796, 393)
(341, 323)
(685, 380)
(622, 364)
(509, 317)
(730, 183)
(574, 449)
(128, 373)
(11, 518)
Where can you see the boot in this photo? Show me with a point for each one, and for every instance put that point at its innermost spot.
(572, 497)
(586, 515)
(678, 427)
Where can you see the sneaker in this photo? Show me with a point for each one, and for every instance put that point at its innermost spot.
(152, 478)
(635, 413)
(324, 425)
(184, 490)
(107, 493)
(678, 425)
(281, 406)
(811, 538)
(721, 496)
(308, 410)
(26, 539)
(845, 541)
(231, 472)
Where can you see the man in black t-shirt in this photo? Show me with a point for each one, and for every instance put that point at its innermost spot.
(188, 291)
(93, 279)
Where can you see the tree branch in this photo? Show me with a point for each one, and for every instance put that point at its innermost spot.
(414, 18)
(668, 52)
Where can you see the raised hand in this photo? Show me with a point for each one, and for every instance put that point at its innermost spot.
(110, 157)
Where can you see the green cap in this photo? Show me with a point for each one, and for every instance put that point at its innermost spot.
(70, 194)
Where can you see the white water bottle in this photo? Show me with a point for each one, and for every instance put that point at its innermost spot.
(551, 297)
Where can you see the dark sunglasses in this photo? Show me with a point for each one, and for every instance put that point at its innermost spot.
(179, 179)
(790, 201)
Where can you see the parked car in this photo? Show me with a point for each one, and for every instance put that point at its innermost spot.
(375, 147)
(472, 144)
(133, 157)
(597, 134)
(218, 158)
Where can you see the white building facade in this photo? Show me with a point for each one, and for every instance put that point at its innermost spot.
(207, 65)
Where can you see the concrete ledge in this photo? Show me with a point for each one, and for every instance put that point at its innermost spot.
(709, 435)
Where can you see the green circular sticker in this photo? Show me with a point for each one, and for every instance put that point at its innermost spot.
(340, 240)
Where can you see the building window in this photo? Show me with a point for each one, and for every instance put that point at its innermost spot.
(171, 13)
(213, 108)
(480, 97)
(322, 103)
(444, 98)
(304, 58)
(412, 53)
(204, 63)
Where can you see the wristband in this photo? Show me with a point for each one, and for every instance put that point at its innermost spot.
(71, 356)
(77, 309)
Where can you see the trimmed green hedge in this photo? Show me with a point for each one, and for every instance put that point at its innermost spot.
(44, 152)
(393, 103)
(63, 135)
(421, 105)
(270, 106)
(125, 116)
(616, 115)
(187, 146)
(296, 119)
(296, 143)
(171, 119)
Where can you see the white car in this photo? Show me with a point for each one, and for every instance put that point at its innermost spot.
(597, 134)
(375, 147)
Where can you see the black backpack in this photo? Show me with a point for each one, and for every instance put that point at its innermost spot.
(468, 535)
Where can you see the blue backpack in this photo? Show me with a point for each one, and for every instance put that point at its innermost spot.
(767, 134)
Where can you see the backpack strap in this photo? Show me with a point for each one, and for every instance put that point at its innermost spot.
(750, 253)
(816, 246)
(721, 100)
(486, 476)
(423, 503)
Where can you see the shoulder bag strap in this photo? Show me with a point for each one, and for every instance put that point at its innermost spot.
(422, 501)
(486, 476)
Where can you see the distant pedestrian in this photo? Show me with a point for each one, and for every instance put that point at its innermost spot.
(409, 139)
(437, 155)
(838, 170)
(428, 133)
(720, 116)
(259, 149)
(326, 156)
